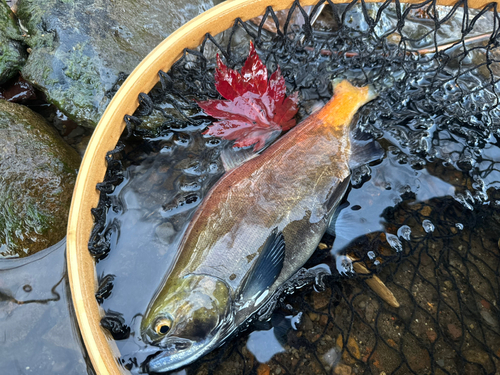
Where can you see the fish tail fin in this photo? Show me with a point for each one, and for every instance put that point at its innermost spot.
(366, 92)
(346, 101)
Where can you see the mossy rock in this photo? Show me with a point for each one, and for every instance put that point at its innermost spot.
(80, 47)
(12, 51)
(37, 175)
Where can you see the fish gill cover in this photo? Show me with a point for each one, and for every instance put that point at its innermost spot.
(425, 220)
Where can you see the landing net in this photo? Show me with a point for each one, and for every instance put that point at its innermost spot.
(437, 71)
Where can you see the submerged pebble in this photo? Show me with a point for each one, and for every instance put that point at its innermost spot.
(332, 357)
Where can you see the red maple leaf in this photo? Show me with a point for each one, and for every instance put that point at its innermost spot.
(255, 108)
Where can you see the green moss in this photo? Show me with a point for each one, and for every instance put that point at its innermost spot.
(8, 25)
(12, 54)
(32, 12)
(80, 67)
(37, 176)
(76, 95)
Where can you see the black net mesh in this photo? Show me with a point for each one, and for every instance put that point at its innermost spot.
(436, 72)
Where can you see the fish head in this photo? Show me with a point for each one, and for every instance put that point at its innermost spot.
(186, 320)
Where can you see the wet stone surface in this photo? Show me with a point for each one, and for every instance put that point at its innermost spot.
(12, 52)
(79, 48)
(38, 172)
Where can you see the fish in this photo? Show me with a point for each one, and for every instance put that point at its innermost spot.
(256, 227)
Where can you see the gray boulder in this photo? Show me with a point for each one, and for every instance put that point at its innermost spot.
(37, 176)
(12, 52)
(79, 47)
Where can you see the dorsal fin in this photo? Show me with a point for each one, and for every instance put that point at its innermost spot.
(267, 267)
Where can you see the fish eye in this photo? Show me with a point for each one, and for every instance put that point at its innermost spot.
(163, 325)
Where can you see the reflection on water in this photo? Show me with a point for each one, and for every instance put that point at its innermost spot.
(389, 182)
(38, 332)
(264, 345)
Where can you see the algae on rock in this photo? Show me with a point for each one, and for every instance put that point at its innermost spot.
(80, 47)
(12, 53)
(37, 175)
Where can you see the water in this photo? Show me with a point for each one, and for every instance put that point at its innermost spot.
(38, 329)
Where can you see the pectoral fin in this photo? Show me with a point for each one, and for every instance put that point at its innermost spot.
(267, 267)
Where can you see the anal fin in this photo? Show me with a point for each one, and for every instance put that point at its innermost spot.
(364, 152)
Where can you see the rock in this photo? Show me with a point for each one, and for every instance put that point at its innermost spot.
(263, 369)
(306, 324)
(419, 361)
(488, 318)
(313, 316)
(37, 175)
(485, 304)
(352, 351)
(322, 246)
(455, 333)
(321, 299)
(80, 47)
(323, 320)
(331, 357)
(477, 356)
(342, 370)
(431, 335)
(12, 53)
(371, 310)
(426, 211)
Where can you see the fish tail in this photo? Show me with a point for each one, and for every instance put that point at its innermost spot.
(344, 104)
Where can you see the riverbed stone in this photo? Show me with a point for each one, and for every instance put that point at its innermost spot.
(37, 176)
(12, 51)
(80, 47)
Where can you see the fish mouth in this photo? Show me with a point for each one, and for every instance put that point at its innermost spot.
(175, 344)
(178, 352)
